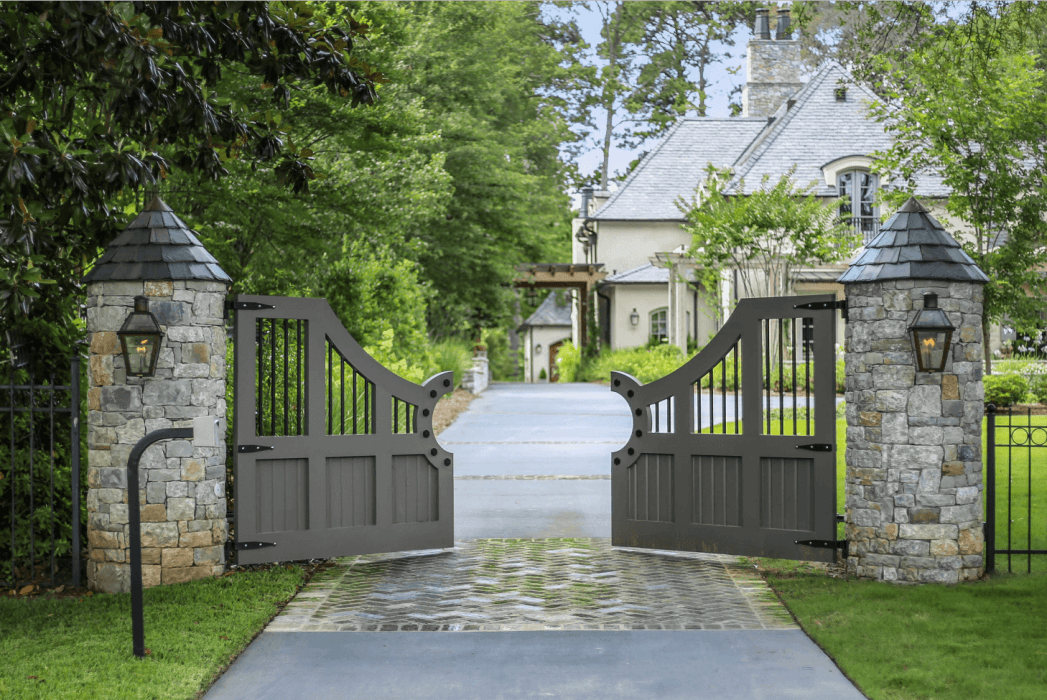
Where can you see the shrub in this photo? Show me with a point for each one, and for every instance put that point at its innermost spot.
(542, 374)
(454, 355)
(569, 360)
(645, 363)
(1005, 389)
(1038, 387)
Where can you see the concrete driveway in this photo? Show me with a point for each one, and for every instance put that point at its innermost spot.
(515, 431)
(531, 461)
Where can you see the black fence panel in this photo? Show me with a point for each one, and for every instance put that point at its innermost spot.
(1015, 488)
(41, 489)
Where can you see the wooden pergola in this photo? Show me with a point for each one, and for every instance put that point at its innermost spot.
(582, 277)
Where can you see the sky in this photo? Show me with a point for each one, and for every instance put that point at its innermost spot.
(723, 82)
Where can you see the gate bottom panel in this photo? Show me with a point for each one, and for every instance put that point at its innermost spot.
(347, 541)
(776, 544)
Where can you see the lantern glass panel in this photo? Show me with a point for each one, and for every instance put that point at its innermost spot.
(931, 346)
(140, 353)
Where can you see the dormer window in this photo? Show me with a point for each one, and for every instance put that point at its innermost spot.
(857, 190)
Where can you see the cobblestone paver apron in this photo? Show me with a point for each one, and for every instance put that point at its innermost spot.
(495, 585)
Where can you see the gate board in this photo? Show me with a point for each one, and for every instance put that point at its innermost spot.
(746, 486)
(334, 454)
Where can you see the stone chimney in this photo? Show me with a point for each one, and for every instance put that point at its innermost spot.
(772, 66)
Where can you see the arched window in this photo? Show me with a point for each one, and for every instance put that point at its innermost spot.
(857, 190)
(660, 325)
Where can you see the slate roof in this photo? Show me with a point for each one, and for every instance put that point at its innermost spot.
(676, 166)
(550, 313)
(913, 245)
(815, 131)
(157, 246)
(644, 274)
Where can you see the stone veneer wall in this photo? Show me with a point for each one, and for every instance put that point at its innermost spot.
(914, 463)
(182, 486)
(772, 70)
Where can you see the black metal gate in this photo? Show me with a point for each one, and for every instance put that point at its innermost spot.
(733, 453)
(334, 454)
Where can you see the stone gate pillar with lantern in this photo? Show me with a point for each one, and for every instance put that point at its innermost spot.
(914, 405)
(158, 267)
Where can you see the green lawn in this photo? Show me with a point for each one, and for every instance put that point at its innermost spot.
(976, 640)
(80, 647)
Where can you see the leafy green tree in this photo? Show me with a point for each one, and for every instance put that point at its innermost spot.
(99, 99)
(680, 41)
(763, 235)
(481, 74)
(970, 105)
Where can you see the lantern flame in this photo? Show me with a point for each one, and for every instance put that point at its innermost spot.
(929, 343)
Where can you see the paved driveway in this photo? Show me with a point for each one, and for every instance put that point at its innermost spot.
(535, 619)
(534, 460)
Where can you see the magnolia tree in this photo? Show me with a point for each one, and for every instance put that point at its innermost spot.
(764, 236)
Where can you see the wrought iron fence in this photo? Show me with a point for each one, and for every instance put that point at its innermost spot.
(1016, 450)
(40, 487)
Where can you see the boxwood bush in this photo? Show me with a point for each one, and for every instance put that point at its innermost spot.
(1005, 389)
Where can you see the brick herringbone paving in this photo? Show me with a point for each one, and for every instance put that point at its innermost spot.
(539, 584)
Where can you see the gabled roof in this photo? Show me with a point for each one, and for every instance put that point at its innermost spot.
(156, 246)
(550, 313)
(644, 274)
(913, 245)
(816, 130)
(676, 166)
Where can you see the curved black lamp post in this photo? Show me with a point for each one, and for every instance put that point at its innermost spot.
(135, 521)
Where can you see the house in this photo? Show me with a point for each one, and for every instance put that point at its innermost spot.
(542, 334)
(821, 127)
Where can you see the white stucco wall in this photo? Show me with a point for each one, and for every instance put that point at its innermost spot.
(645, 298)
(534, 363)
(623, 245)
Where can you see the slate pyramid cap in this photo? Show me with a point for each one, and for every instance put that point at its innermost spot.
(157, 246)
(913, 245)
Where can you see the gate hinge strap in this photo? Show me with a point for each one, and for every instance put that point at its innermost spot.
(817, 447)
(242, 449)
(840, 304)
(824, 544)
(247, 306)
(243, 546)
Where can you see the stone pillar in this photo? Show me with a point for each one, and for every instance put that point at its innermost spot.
(183, 503)
(914, 464)
(183, 496)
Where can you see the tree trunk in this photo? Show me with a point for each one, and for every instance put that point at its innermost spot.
(613, 38)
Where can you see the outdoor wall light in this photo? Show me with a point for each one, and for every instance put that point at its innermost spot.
(634, 318)
(931, 336)
(538, 348)
(140, 338)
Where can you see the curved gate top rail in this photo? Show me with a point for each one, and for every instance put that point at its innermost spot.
(335, 454)
(733, 452)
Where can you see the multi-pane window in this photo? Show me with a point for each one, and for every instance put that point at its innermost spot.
(659, 325)
(857, 190)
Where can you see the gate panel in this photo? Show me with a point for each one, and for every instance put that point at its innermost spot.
(335, 455)
(734, 452)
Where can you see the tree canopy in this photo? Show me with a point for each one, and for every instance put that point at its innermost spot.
(100, 99)
(968, 104)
